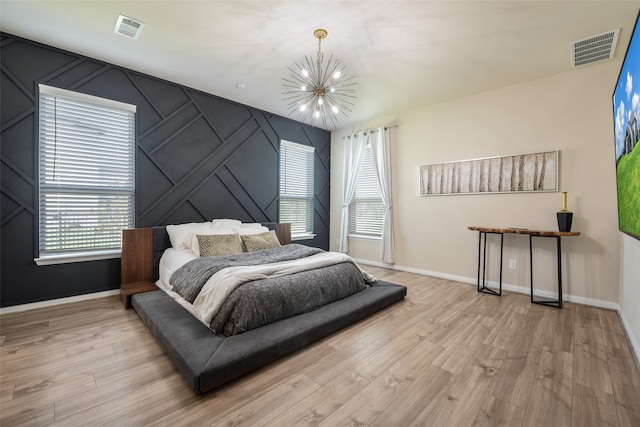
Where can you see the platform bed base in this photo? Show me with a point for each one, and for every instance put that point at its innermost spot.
(208, 361)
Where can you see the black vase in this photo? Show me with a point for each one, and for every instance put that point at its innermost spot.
(564, 220)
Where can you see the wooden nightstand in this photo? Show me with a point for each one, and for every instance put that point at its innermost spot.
(128, 289)
(136, 264)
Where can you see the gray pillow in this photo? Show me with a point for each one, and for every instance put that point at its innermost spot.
(219, 244)
(254, 242)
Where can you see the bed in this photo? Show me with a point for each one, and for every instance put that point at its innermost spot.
(209, 359)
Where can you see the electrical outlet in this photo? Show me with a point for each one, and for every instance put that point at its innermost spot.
(512, 264)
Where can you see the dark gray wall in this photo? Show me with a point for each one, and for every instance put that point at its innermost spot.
(198, 157)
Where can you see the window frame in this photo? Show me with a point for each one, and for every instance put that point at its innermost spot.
(353, 226)
(309, 151)
(128, 191)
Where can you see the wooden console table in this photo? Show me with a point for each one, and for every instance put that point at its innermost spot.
(482, 255)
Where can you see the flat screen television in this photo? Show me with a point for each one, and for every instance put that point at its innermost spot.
(626, 117)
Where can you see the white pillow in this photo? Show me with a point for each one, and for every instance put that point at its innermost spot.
(250, 228)
(181, 234)
(225, 223)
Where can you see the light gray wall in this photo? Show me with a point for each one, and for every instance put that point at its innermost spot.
(570, 112)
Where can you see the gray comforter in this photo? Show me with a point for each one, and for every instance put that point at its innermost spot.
(259, 302)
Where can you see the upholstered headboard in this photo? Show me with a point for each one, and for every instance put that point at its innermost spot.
(143, 247)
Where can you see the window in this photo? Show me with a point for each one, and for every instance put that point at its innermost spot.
(87, 178)
(366, 210)
(296, 188)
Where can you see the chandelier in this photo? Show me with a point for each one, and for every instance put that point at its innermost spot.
(318, 93)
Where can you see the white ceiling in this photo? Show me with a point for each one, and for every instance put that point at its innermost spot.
(404, 53)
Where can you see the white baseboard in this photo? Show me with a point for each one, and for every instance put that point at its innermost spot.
(505, 286)
(632, 339)
(58, 301)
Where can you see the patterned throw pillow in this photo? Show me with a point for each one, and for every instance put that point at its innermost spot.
(219, 244)
(254, 242)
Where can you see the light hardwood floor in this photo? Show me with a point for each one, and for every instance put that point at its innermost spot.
(445, 356)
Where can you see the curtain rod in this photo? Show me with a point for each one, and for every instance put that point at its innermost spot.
(372, 130)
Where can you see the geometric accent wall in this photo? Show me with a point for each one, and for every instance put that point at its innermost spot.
(198, 157)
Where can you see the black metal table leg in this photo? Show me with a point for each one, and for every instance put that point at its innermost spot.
(479, 257)
(552, 303)
(482, 263)
(559, 250)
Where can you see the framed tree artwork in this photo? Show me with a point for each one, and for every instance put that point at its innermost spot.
(504, 174)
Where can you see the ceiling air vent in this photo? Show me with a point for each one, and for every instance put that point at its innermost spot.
(594, 49)
(128, 27)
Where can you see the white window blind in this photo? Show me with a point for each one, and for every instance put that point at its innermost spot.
(87, 172)
(296, 188)
(366, 210)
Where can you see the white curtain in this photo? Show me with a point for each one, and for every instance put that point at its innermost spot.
(380, 149)
(353, 150)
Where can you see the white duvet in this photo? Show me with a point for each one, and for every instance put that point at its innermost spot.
(221, 284)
